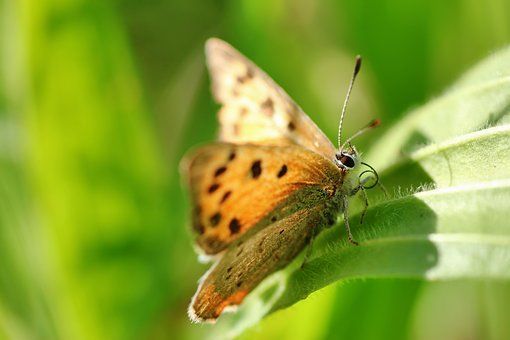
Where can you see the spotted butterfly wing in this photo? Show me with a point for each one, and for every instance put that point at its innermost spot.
(255, 109)
(237, 188)
(250, 259)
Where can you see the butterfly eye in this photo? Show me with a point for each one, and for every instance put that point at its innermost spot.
(346, 160)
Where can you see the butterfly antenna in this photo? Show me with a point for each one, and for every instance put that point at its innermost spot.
(368, 127)
(344, 108)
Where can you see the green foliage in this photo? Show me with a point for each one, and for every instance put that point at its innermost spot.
(99, 100)
(477, 99)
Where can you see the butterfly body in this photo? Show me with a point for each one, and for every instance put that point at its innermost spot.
(269, 185)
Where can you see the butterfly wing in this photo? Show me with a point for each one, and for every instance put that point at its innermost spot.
(250, 260)
(240, 188)
(255, 109)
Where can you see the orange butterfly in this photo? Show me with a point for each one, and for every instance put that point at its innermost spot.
(271, 183)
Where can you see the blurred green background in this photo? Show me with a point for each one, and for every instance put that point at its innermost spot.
(100, 99)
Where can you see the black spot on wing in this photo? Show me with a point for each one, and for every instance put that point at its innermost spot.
(256, 169)
(215, 219)
(220, 171)
(247, 76)
(282, 171)
(213, 188)
(225, 196)
(267, 107)
(234, 226)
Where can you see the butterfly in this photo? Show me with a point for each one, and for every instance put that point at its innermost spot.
(267, 187)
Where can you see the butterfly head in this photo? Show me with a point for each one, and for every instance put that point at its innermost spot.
(347, 159)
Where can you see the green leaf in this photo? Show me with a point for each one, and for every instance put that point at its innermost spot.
(479, 156)
(481, 97)
(458, 230)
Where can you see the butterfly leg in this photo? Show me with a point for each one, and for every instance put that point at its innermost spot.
(346, 220)
(309, 248)
(383, 189)
(364, 197)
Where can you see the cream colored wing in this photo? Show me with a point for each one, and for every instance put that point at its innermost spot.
(255, 109)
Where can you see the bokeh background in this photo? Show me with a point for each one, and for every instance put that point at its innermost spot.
(100, 99)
